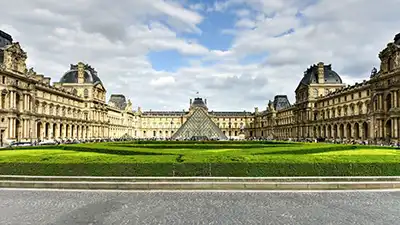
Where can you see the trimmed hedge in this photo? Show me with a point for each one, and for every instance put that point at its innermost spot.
(203, 169)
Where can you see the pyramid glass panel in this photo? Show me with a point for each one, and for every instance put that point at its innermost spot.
(199, 126)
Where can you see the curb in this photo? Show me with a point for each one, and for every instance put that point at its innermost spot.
(84, 185)
(199, 179)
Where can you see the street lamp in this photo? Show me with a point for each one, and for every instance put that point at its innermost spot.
(229, 129)
(171, 130)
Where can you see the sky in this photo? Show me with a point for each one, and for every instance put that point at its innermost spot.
(238, 54)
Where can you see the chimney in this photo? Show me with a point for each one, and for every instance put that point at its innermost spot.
(81, 73)
(321, 72)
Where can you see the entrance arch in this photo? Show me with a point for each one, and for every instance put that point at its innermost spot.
(18, 131)
(365, 130)
(356, 131)
(341, 131)
(348, 131)
(329, 133)
(335, 129)
(39, 130)
(47, 131)
(388, 101)
(388, 129)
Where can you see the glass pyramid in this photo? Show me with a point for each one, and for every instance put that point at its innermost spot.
(199, 126)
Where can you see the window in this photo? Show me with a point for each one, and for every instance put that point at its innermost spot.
(359, 94)
(390, 64)
(86, 93)
(3, 79)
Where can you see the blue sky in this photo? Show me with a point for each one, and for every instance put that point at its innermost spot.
(238, 54)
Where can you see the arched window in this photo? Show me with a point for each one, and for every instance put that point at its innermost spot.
(74, 91)
(86, 93)
(315, 92)
(390, 64)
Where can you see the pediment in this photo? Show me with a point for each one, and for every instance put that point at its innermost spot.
(99, 86)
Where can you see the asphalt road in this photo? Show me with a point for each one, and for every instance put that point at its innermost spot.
(92, 208)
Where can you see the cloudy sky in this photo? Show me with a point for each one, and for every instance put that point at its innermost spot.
(236, 53)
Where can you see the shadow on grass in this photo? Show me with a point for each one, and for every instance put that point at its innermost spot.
(308, 151)
(188, 146)
(203, 169)
(111, 151)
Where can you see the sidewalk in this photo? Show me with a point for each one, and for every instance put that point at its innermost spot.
(200, 183)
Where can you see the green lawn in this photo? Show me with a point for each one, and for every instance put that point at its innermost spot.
(202, 159)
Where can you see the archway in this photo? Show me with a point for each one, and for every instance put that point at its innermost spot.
(335, 131)
(341, 131)
(54, 131)
(356, 131)
(39, 130)
(61, 129)
(67, 130)
(329, 133)
(17, 100)
(324, 131)
(388, 128)
(388, 101)
(47, 131)
(348, 131)
(18, 131)
(365, 130)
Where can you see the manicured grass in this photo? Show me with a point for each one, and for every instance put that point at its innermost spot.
(202, 159)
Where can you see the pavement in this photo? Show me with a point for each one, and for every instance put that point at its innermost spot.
(59, 207)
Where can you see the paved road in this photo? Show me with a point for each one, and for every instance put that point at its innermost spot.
(93, 208)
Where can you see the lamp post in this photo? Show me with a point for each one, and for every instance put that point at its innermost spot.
(170, 134)
(229, 129)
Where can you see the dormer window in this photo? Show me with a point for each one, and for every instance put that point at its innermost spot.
(390, 64)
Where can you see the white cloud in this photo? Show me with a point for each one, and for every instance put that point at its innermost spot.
(117, 38)
(162, 81)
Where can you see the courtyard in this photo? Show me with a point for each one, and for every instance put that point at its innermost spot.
(213, 158)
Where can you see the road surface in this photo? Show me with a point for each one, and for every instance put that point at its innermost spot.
(21, 207)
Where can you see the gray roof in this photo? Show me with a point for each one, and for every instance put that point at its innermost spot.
(244, 113)
(330, 76)
(198, 102)
(72, 75)
(281, 102)
(119, 100)
(164, 113)
(5, 39)
(397, 39)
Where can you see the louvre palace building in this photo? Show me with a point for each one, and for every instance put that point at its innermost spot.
(34, 109)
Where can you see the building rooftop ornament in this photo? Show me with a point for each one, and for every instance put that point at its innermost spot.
(80, 71)
(397, 39)
(198, 102)
(374, 72)
(329, 75)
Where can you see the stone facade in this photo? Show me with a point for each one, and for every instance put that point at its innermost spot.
(327, 108)
(31, 108)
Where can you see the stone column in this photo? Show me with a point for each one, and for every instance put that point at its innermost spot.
(395, 128)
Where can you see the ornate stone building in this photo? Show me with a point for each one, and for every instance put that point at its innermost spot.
(327, 108)
(31, 108)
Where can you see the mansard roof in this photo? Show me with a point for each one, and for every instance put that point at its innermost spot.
(281, 102)
(330, 76)
(71, 76)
